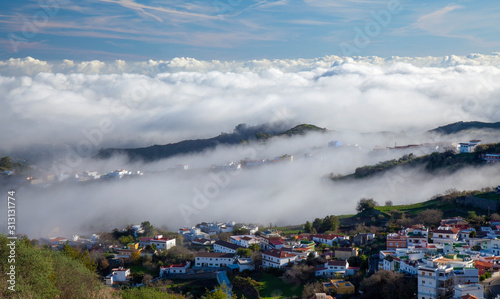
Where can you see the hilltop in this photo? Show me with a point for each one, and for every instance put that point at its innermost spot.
(241, 134)
(465, 126)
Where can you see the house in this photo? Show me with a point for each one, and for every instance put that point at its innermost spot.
(363, 238)
(491, 158)
(246, 264)
(214, 259)
(456, 222)
(276, 243)
(118, 275)
(344, 253)
(468, 147)
(474, 290)
(244, 240)
(445, 234)
(276, 258)
(160, 242)
(329, 239)
(226, 247)
(128, 250)
(202, 241)
(338, 286)
(332, 268)
(175, 269)
(396, 240)
(437, 277)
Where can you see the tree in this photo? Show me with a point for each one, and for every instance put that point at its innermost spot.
(329, 223)
(149, 230)
(220, 292)
(366, 204)
(471, 215)
(430, 217)
(240, 231)
(254, 247)
(312, 288)
(308, 227)
(388, 203)
(299, 274)
(5, 163)
(126, 239)
(389, 285)
(317, 223)
(244, 252)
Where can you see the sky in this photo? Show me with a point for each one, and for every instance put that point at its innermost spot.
(243, 30)
(78, 76)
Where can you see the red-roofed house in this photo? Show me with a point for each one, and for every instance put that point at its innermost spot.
(483, 266)
(175, 269)
(118, 275)
(276, 243)
(276, 258)
(456, 222)
(160, 242)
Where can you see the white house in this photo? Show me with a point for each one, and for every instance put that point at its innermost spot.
(332, 268)
(276, 258)
(175, 269)
(244, 240)
(225, 247)
(160, 242)
(329, 239)
(444, 234)
(468, 147)
(118, 275)
(214, 259)
(246, 264)
(474, 289)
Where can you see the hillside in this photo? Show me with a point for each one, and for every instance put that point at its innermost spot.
(302, 129)
(436, 162)
(241, 133)
(464, 126)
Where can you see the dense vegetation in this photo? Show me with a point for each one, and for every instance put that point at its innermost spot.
(446, 162)
(6, 164)
(42, 273)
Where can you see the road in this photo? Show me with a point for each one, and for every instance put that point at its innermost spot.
(493, 285)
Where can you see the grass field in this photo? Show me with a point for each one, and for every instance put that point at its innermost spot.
(414, 209)
(275, 287)
(139, 269)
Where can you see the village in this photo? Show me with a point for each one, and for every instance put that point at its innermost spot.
(453, 259)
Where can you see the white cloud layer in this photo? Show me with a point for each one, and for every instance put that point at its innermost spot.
(158, 102)
(120, 103)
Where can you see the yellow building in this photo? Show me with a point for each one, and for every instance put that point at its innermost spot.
(337, 286)
(344, 253)
(127, 251)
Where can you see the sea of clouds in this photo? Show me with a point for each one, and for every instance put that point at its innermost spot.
(159, 102)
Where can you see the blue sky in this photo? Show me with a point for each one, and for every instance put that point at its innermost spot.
(245, 29)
